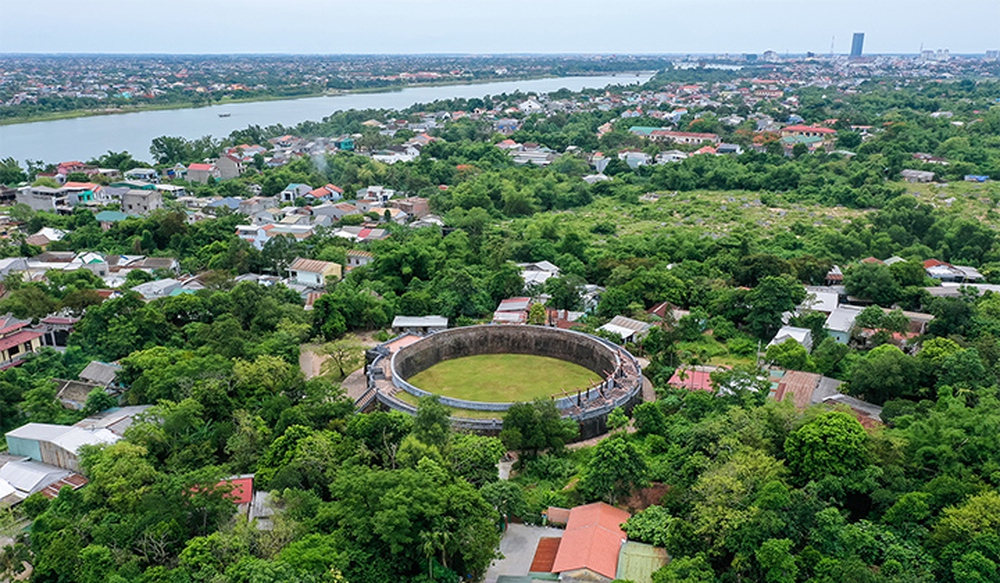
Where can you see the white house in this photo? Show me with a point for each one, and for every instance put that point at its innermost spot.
(294, 191)
(312, 272)
(801, 335)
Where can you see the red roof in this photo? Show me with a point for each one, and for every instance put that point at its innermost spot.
(17, 325)
(933, 263)
(695, 380)
(202, 167)
(592, 540)
(871, 260)
(75, 185)
(363, 233)
(18, 339)
(242, 489)
(59, 321)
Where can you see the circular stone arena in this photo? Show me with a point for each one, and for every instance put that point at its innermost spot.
(481, 371)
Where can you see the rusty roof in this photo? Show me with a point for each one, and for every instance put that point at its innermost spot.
(545, 555)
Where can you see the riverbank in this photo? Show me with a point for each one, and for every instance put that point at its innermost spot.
(62, 115)
(89, 136)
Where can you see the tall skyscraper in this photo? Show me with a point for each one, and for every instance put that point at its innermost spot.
(857, 44)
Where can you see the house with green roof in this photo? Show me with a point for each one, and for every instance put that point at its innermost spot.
(108, 218)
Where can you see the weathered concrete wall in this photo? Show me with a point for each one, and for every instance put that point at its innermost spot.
(536, 340)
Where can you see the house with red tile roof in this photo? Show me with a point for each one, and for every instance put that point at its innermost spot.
(692, 380)
(202, 172)
(590, 547)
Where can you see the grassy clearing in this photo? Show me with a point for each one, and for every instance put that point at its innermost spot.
(503, 378)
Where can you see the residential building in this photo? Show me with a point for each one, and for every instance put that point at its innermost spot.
(669, 136)
(161, 288)
(141, 202)
(107, 219)
(801, 335)
(16, 340)
(56, 445)
(591, 544)
(840, 322)
(628, 329)
(422, 325)
(671, 156)
(312, 272)
(512, 311)
(952, 273)
(203, 172)
(537, 273)
(375, 194)
(142, 174)
(229, 167)
(361, 234)
(326, 193)
(414, 206)
(358, 258)
(634, 158)
(294, 191)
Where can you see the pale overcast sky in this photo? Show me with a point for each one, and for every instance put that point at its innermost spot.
(477, 26)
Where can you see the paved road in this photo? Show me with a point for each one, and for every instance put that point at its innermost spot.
(518, 548)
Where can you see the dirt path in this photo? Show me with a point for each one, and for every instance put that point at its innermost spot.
(310, 362)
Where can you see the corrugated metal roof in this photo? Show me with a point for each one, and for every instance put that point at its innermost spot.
(99, 372)
(77, 437)
(842, 318)
(312, 266)
(31, 476)
(638, 561)
(420, 322)
(38, 431)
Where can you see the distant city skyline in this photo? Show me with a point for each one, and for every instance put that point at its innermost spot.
(522, 26)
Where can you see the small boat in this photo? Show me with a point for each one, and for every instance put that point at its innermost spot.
(225, 114)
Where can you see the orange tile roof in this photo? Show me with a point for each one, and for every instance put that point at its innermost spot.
(592, 540)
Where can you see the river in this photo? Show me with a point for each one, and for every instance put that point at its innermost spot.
(85, 138)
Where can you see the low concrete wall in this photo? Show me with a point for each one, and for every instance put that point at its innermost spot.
(581, 349)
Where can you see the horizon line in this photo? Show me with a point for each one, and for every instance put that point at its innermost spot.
(467, 54)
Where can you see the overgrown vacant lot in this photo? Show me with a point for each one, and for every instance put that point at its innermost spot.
(503, 377)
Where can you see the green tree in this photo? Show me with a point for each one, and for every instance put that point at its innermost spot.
(772, 297)
(98, 400)
(832, 444)
(342, 356)
(537, 315)
(475, 457)
(507, 498)
(776, 561)
(883, 374)
(872, 281)
(614, 470)
(534, 427)
(791, 355)
(432, 423)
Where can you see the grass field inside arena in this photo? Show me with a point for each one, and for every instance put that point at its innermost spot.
(503, 378)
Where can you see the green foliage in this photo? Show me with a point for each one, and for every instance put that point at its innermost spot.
(614, 470)
(791, 355)
(534, 427)
(832, 444)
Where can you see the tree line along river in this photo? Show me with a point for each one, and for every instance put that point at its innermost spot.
(84, 138)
